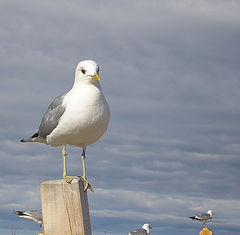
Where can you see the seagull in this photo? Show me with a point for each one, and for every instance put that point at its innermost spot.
(78, 117)
(203, 217)
(35, 216)
(144, 230)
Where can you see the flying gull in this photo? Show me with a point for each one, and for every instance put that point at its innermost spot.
(35, 216)
(79, 117)
(144, 230)
(203, 217)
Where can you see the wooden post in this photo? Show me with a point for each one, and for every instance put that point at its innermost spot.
(206, 231)
(65, 208)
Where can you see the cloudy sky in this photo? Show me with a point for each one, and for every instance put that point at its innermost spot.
(170, 72)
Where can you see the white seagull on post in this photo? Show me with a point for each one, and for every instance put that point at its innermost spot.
(144, 230)
(78, 118)
(203, 217)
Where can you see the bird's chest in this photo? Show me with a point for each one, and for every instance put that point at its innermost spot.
(84, 121)
(84, 113)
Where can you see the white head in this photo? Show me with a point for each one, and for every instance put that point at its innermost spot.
(147, 227)
(210, 212)
(87, 71)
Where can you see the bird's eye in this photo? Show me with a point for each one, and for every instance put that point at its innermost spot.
(83, 71)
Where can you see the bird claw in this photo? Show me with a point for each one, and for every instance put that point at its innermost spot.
(86, 184)
(69, 179)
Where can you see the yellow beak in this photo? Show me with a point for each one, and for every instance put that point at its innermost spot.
(96, 76)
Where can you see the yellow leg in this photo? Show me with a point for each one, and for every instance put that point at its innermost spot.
(83, 166)
(42, 233)
(64, 154)
(84, 178)
(66, 177)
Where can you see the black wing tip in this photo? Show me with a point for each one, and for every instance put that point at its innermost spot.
(18, 212)
(33, 136)
(191, 217)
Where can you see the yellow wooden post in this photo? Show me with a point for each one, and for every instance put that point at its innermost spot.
(206, 231)
(65, 208)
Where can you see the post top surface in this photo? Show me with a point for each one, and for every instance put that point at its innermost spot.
(60, 181)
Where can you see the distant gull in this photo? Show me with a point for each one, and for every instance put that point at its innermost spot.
(203, 217)
(35, 216)
(144, 230)
(78, 118)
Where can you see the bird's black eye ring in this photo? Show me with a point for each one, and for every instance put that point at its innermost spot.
(83, 71)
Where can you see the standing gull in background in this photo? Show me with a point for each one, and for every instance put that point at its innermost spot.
(78, 118)
(203, 217)
(35, 216)
(144, 230)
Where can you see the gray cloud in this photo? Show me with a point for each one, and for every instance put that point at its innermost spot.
(170, 71)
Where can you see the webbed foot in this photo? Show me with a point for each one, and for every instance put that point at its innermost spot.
(86, 184)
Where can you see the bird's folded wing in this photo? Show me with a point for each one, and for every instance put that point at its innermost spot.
(52, 116)
(140, 231)
(35, 214)
(203, 216)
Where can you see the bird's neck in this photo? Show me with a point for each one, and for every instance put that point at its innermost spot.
(77, 84)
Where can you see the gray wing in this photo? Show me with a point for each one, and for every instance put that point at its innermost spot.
(37, 214)
(203, 216)
(140, 231)
(51, 117)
